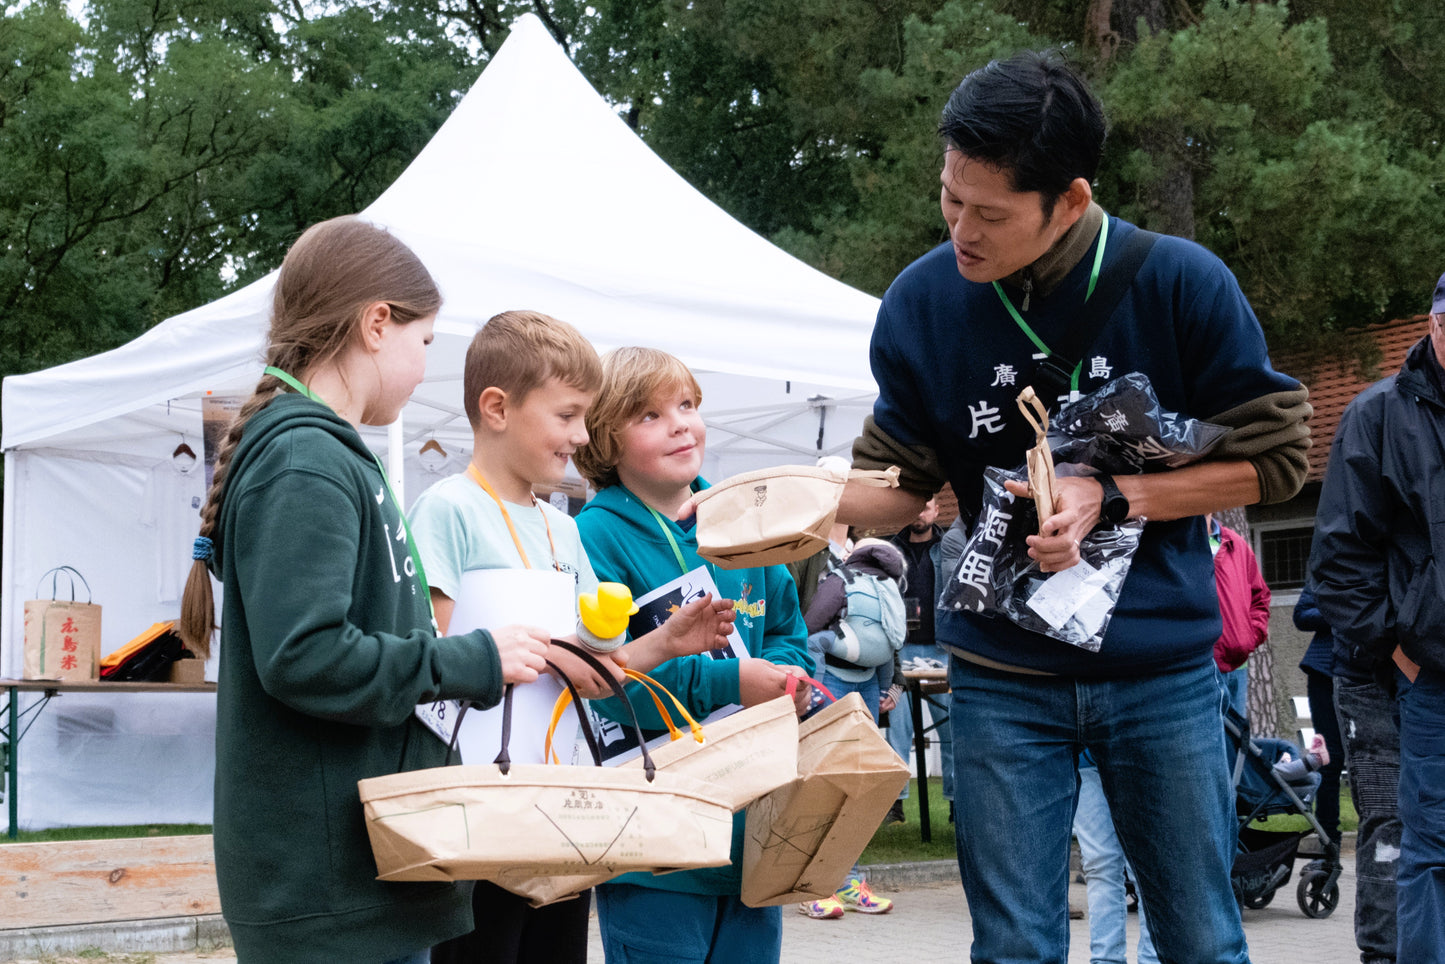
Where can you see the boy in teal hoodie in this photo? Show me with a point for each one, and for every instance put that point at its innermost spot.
(646, 443)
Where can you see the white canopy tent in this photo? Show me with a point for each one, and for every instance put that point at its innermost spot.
(533, 194)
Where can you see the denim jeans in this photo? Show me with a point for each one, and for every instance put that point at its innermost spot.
(1370, 730)
(900, 721)
(1236, 684)
(1159, 744)
(868, 689)
(1421, 878)
(1104, 870)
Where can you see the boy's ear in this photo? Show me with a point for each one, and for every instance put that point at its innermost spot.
(492, 408)
(374, 322)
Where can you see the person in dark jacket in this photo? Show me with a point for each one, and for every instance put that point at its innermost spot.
(921, 543)
(1378, 561)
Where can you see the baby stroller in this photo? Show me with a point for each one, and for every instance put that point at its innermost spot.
(1265, 858)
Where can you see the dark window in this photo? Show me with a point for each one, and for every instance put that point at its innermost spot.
(1284, 556)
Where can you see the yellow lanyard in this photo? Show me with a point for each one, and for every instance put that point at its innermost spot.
(476, 476)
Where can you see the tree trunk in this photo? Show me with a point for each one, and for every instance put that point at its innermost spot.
(1111, 24)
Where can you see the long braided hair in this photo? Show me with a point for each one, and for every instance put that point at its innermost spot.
(330, 276)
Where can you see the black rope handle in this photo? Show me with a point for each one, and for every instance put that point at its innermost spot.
(504, 757)
(648, 766)
(73, 573)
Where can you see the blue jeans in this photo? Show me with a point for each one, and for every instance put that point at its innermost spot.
(1370, 730)
(900, 721)
(1104, 870)
(1421, 881)
(1159, 744)
(1236, 684)
(642, 925)
(420, 957)
(868, 689)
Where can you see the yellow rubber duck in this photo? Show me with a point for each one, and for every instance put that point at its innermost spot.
(603, 623)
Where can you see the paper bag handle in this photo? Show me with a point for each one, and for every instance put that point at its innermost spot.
(54, 574)
(653, 688)
(878, 478)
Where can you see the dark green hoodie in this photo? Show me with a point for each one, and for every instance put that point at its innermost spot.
(326, 649)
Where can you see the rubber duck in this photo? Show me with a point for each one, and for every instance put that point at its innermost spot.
(603, 623)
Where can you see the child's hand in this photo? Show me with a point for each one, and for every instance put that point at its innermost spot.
(760, 681)
(522, 650)
(803, 695)
(700, 626)
(590, 684)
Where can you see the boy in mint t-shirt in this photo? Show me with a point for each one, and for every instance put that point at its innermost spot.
(528, 381)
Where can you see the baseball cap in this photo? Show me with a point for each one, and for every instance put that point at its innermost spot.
(1437, 305)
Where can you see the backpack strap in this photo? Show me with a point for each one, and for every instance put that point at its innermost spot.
(1052, 377)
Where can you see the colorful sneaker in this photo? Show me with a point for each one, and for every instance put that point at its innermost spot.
(857, 895)
(826, 909)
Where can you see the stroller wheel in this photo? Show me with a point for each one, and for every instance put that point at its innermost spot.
(1259, 901)
(1315, 899)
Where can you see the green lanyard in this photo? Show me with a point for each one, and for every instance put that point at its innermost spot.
(410, 542)
(1093, 280)
(662, 524)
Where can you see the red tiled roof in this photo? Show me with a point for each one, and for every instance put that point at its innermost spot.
(1334, 381)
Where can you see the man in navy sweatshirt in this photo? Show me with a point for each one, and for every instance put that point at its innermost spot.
(959, 334)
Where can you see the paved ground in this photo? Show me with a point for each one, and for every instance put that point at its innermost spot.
(930, 922)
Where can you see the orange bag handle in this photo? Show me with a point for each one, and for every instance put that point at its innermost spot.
(653, 688)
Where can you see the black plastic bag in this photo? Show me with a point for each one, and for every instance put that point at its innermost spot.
(1119, 429)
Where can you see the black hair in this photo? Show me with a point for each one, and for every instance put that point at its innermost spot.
(1031, 115)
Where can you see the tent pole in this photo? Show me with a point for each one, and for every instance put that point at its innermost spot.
(7, 573)
(395, 460)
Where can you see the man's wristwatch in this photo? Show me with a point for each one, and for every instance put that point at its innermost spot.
(1116, 507)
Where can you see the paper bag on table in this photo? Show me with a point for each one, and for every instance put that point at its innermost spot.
(802, 839)
(62, 636)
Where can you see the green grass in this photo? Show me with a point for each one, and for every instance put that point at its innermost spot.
(900, 843)
(109, 833)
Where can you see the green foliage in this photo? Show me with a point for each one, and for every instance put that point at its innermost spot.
(162, 152)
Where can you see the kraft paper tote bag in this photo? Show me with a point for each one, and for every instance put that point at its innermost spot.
(802, 839)
(740, 757)
(776, 515)
(505, 820)
(62, 636)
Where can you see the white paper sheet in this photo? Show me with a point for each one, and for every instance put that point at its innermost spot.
(491, 598)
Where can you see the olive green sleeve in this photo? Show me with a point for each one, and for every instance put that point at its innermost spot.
(918, 465)
(1272, 433)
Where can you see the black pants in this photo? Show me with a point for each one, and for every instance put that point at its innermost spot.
(508, 931)
(1320, 690)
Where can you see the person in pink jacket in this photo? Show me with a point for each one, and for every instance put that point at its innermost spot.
(1243, 606)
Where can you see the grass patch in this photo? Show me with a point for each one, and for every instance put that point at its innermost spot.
(110, 833)
(900, 843)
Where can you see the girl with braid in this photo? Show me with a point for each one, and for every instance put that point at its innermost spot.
(327, 638)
